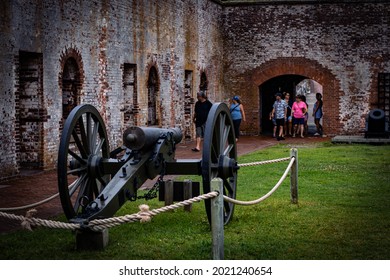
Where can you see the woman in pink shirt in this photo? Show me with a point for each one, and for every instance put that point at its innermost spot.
(298, 111)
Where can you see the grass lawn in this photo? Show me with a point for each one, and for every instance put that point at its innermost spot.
(343, 213)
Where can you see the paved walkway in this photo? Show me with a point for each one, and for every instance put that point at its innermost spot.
(32, 187)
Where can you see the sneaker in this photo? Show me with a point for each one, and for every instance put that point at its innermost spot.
(316, 134)
(282, 138)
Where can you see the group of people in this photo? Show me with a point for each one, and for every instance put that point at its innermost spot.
(290, 118)
(202, 108)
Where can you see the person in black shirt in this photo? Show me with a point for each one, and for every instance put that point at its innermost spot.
(202, 109)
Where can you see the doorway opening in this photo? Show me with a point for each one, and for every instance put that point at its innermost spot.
(30, 111)
(293, 84)
(189, 102)
(130, 97)
(203, 84)
(71, 86)
(153, 116)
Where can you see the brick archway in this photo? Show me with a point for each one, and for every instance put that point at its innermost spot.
(71, 80)
(312, 70)
(153, 97)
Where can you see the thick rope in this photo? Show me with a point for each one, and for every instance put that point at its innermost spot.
(33, 204)
(28, 222)
(57, 194)
(30, 205)
(114, 221)
(144, 215)
(263, 162)
(246, 203)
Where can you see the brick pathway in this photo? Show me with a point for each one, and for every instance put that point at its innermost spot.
(32, 187)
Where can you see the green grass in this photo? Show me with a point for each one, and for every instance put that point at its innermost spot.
(343, 213)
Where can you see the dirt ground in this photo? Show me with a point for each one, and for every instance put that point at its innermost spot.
(34, 186)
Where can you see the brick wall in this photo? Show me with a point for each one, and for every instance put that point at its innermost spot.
(8, 159)
(342, 46)
(102, 37)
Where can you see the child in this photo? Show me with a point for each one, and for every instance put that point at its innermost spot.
(272, 118)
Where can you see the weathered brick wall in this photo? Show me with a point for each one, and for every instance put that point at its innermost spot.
(102, 36)
(341, 46)
(8, 159)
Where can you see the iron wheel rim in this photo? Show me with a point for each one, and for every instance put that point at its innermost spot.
(83, 142)
(219, 142)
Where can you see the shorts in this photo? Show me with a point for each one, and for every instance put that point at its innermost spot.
(280, 122)
(299, 121)
(200, 131)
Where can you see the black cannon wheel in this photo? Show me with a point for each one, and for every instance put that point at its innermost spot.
(220, 156)
(83, 144)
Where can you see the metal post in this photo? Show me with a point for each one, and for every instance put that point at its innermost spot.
(294, 177)
(217, 221)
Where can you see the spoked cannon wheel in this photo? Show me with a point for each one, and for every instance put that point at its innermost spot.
(219, 157)
(83, 144)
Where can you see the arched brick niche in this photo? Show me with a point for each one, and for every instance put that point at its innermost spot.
(71, 80)
(307, 68)
(154, 102)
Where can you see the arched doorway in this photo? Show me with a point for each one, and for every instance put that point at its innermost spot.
(70, 81)
(267, 91)
(153, 116)
(298, 69)
(70, 87)
(203, 83)
(309, 89)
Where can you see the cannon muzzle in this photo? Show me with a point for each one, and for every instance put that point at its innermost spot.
(142, 138)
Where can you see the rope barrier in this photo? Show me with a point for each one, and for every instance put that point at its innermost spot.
(30, 205)
(113, 221)
(144, 215)
(33, 204)
(246, 203)
(98, 225)
(28, 222)
(57, 194)
(263, 162)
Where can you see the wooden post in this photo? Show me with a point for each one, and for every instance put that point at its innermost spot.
(294, 177)
(217, 221)
(168, 196)
(187, 193)
(91, 240)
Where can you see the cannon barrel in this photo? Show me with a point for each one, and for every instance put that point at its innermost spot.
(141, 138)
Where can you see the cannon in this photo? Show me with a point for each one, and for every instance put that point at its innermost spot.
(377, 124)
(95, 182)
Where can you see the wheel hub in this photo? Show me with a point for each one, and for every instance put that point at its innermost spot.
(227, 167)
(94, 166)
